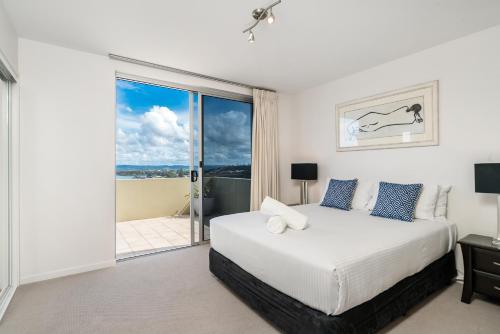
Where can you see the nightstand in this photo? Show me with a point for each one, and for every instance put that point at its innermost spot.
(481, 265)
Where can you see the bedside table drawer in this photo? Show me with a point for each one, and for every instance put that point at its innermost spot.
(487, 284)
(486, 260)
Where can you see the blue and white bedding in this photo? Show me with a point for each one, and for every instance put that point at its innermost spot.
(342, 259)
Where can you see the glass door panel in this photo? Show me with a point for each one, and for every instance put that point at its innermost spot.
(227, 158)
(153, 167)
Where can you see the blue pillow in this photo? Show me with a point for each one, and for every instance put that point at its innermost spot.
(397, 201)
(340, 193)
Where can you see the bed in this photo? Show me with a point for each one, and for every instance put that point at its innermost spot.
(344, 262)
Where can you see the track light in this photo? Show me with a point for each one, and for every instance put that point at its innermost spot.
(251, 37)
(258, 15)
(270, 18)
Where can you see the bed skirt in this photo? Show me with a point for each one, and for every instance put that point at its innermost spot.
(291, 316)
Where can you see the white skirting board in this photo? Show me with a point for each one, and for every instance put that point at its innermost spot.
(67, 272)
(5, 300)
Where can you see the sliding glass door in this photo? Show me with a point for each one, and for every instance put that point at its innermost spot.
(183, 157)
(226, 157)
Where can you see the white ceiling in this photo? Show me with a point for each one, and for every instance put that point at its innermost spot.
(310, 43)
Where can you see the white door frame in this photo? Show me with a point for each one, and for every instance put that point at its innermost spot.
(192, 163)
(8, 170)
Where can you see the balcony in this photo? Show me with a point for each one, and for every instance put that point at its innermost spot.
(153, 214)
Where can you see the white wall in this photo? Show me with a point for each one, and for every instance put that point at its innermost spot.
(8, 40)
(468, 70)
(68, 155)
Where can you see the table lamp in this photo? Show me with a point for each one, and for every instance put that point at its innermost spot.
(487, 180)
(304, 172)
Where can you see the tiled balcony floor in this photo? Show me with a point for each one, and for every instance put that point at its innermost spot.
(139, 236)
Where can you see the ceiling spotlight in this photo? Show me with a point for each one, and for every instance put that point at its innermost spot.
(260, 14)
(251, 37)
(270, 18)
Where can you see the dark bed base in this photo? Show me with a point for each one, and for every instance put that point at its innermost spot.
(291, 316)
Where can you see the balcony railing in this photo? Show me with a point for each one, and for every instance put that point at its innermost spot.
(150, 198)
(161, 197)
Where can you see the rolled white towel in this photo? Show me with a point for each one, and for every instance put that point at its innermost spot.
(276, 224)
(293, 218)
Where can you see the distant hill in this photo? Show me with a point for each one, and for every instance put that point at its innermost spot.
(240, 171)
(169, 171)
(150, 167)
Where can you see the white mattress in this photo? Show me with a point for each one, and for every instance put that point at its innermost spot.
(341, 260)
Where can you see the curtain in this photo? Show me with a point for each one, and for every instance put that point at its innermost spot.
(265, 177)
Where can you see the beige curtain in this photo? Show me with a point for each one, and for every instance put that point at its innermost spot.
(265, 178)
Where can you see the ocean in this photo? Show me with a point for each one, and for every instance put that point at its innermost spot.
(120, 168)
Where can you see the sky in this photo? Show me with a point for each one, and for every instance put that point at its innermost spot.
(153, 127)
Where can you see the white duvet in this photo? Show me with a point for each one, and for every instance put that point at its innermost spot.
(342, 259)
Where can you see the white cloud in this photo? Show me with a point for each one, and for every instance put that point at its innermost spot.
(164, 123)
(156, 137)
(123, 108)
(227, 138)
(160, 136)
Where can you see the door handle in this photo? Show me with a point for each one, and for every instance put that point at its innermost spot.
(194, 176)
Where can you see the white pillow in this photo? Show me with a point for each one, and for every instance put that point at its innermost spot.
(442, 202)
(426, 204)
(434, 198)
(325, 190)
(373, 200)
(363, 195)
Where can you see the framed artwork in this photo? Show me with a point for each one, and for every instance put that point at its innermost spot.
(402, 118)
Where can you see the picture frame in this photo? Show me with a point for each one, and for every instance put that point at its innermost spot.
(405, 117)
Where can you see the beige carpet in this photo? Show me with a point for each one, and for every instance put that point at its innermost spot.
(175, 293)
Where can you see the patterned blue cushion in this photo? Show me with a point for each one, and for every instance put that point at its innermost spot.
(397, 201)
(340, 193)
